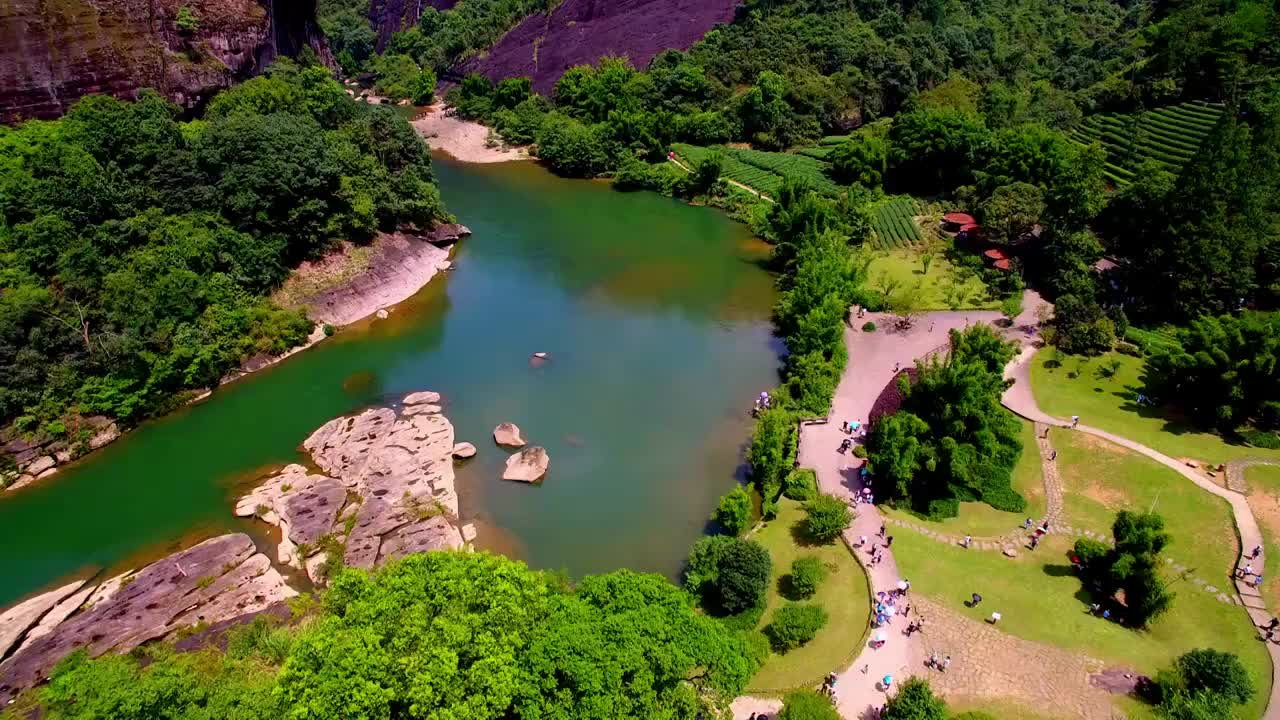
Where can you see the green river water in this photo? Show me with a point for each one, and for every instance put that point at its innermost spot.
(657, 318)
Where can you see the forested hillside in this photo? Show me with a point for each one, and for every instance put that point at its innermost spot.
(137, 249)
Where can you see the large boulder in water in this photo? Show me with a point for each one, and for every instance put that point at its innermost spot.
(464, 450)
(529, 465)
(508, 435)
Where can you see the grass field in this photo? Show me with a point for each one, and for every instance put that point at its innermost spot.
(944, 287)
(1040, 599)
(1002, 710)
(1109, 403)
(982, 520)
(1100, 479)
(844, 594)
(1264, 500)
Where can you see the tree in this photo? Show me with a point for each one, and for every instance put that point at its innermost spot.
(862, 159)
(825, 518)
(397, 76)
(424, 88)
(794, 625)
(807, 705)
(807, 573)
(1223, 371)
(1082, 326)
(570, 148)
(734, 511)
(951, 440)
(744, 570)
(618, 640)
(729, 574)
(1205, 670)
(1012, 210)
(915, 701)
(1132, 566)
(935, 149)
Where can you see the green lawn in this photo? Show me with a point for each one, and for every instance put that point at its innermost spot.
(939, 289)
(1109, 403)
(1041, 600)
(1264, 500)
(1100, 479)
(844, 594)
(1001, 709)
(982, 520)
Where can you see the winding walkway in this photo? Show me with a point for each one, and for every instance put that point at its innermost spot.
(874, 361)
(1021, 401)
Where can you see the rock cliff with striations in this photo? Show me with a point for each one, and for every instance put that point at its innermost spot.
(52, 53)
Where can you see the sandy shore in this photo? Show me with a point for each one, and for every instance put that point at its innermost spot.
(462, 139)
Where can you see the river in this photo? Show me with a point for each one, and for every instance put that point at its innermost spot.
(656, 315)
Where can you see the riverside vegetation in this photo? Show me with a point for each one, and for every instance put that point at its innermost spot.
(137, 248)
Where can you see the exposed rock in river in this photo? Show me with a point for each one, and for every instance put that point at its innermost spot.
(398, 467)
(508, 435)
(529, 465)
(464, 450)
(218, 579)
(354, 284)
(386, 475)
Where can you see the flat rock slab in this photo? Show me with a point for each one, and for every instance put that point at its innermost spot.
(529, 465)
(218, 579)
(21, 617)
(464, 450)
(508, 435)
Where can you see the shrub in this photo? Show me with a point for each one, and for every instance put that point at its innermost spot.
(734, 512)
(860, 451)
(1127, 348)
(868, 326)
(800, 484)
(807, 705)
(825, 518)
(1207, 670)
(187, 21)
(915, 701)
(730, 574)
(794, 625)
(807, 573)
(1262, 439)
(329, 330)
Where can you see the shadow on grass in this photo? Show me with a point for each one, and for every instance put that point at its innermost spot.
(801, 537)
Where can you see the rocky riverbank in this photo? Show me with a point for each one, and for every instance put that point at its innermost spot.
(385, 488)
(342, 288)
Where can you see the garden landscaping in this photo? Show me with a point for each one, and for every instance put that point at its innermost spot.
(900, 275)
(1040, 599)
(843, 594)
(1103, 391)
(1100, 479)
(980, 519)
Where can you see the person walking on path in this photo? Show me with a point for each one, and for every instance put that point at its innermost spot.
(888, 541)
(968, 540)
(881, 529)
(946, 663)
(1075, 421)
(1257, 550)
(1275, 623)
(1053, 456)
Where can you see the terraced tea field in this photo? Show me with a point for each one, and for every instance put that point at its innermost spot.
(893, 222)
(1170, 136)
(731, 168)
(787, 165)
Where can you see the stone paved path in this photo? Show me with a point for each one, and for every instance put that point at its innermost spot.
(1020, 400)
(987, 663)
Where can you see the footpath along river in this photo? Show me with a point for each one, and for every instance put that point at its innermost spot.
(656, 316)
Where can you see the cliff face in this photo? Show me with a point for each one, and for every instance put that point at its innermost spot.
(392, 16)
(583, 31)
(55, 51)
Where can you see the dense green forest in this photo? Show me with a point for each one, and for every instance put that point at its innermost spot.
(438, 635)
(137, 248)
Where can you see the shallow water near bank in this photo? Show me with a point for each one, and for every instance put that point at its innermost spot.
(656, 316)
